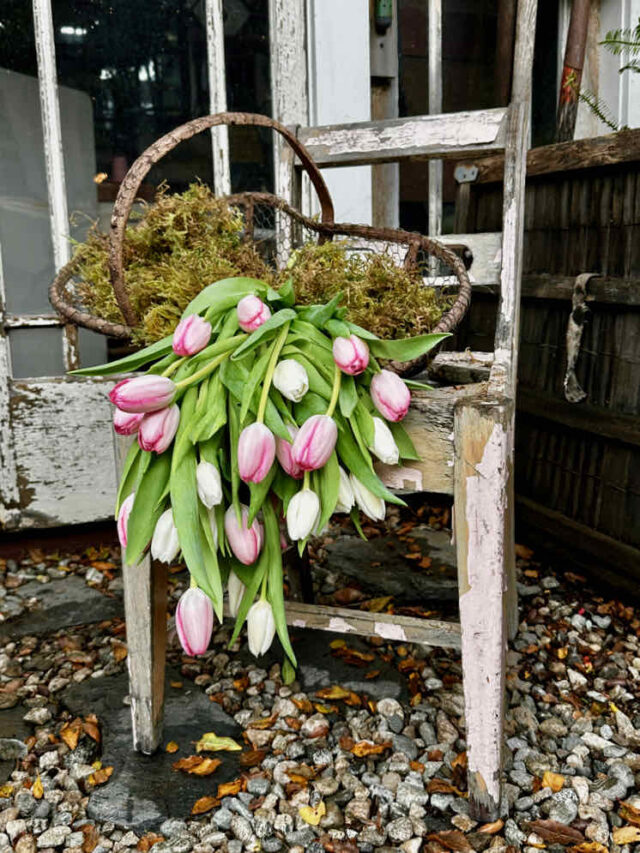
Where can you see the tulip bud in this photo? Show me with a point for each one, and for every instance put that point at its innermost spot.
(245, 542)
(126, 423)
(314, 443)
(252, 313)
(345, 494)
(164, 543)
(291, 380)
(191, 335)
(390, 395)
(370, 504)
(123, 518)
(261, 627)
(194, 621)
(256, 452)
(303, 514)
(236, 590)
(283, 452)
(143, 393)
(384, 445)
(209, 484)
(351, 355)
(157, 429)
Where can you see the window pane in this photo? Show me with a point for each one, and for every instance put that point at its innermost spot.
(36, 352)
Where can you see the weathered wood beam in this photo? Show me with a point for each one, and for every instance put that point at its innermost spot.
(461, 368)
(483, 440)
(449, 135)
(606, 289)
(582, 417)
(609, 150)
(387, 626)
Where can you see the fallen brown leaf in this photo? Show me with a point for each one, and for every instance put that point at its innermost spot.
(171, 747)
(629, 813)
(589, 847)
(263, 722)
(70, 733)
(253, 757)
(443, 786)
(523, 552)
(91, 728)
(230, 789)
(147, 841)
(91, 837)
(303, 705)
(452, 839)
(119, 650)
(376, 605)
(206, 767)
(187, 763)
(100, 776)
(491, 828)
(555, 832)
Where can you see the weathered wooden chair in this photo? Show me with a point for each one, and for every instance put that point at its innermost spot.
(464, 434)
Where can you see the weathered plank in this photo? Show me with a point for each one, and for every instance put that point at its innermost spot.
(388, 626)
(9, 492)
(448, 135)
(435, 107)
(482, 443)
(145, 608)
(218, 95)
(461, 368)
(430, 425)
(63, 451)
(621, 147)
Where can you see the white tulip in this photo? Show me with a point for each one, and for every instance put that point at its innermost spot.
(345, 494)
(370, 504)
(384, 445)
(164, 543)
(303, 514)
(236, 590)
(209, 484)
(291, 380)
(261, 627)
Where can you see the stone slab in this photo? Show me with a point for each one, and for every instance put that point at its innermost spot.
(145, 790)
(61, 604)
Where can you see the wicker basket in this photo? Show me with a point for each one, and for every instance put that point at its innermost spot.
(272, 224)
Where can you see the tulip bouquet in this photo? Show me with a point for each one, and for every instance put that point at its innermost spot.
(256, 420)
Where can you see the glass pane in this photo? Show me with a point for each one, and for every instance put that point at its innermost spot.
(36, 352)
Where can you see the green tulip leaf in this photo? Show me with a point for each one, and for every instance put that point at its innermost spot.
(264, 332)
(146, 512)
(129, 362)
(327, 485)
(319, 315)
(275, 581)
(406, 349)
(348, 398)
(224, 294)
(402, 438)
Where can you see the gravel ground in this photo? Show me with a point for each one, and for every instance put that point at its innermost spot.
(373, 761)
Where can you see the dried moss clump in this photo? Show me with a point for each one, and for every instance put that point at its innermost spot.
(174, 248)
(389, 300)
(181, 243)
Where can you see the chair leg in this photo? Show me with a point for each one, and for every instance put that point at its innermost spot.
(480, 495)
(511, 598)
(145, 603)
(145, 607)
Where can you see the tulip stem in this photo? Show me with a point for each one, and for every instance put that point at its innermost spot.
(263, 591)
(174, 366)
(204, 371)
(266, 386)
(335, 393)
(193, 584)
(306, 480)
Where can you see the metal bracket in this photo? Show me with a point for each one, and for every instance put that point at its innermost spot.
(578, 317)
(465, 174)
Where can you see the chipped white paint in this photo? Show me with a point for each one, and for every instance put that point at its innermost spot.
(54, 158)
(400, 477)
(217, 95)
(9, 493)
(390, 632)
(340, 625)
(393, 139)
(299, 623)
(32, 321)
(481, 608)
(63, 451)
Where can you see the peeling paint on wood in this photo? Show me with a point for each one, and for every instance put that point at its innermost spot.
(423, 137)
(218, 95)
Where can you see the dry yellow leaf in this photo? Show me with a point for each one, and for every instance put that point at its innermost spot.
(365, 747)
(263, 722)
(325, 709)
(204, 804)
(333, 693)
(589, 847)
(119, 650)
(626, 834)
(376, 605)
(337, 644)
(206, 767)
(37, 789)
(6, 790)
(552, 780)
(230, 789)
(70, 733)
(171, 747)
(491, 828)
(630, 813)
(210, 742)
(313, 816)
(101, 776)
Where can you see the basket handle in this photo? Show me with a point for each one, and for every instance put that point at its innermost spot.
(140, 168)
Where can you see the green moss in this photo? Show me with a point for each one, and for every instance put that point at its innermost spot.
(181, 243)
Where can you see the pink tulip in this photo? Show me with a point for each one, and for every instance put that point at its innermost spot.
(194, 621)
(245, 542)
(256, 452)
(252, 313)
(123, 518)
(314, 442)
(351, 355)
(143, 393)
(158, 429)
(283, 452)
(126, 423)
(191, 335)
(390, 395)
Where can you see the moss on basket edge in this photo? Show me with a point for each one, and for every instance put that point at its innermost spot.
(181, 243)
